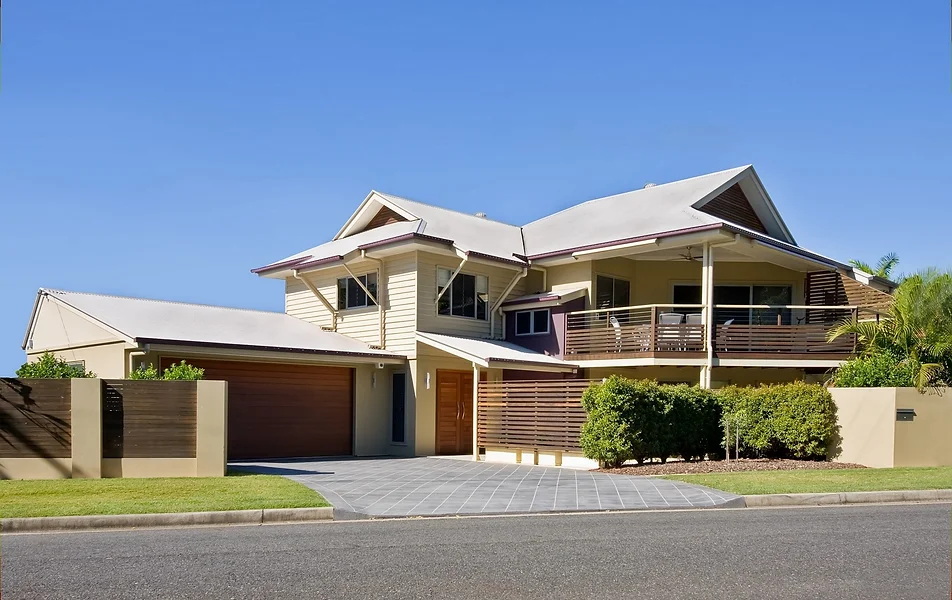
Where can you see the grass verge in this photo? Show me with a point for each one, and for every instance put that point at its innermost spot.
(819, 481)
(237, 491)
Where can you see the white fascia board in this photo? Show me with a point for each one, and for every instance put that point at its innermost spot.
(640, 362)
(423, 339)
(768, 203)
(531, 366)
(274, 356)
(778, 362)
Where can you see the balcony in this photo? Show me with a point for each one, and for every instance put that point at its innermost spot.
(739, 331)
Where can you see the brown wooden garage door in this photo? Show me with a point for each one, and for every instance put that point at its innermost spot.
(279, 410)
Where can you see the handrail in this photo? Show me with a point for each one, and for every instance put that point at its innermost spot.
(790, 306)
(620, 308)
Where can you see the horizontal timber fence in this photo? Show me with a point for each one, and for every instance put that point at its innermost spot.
(92, 428)
(531, 415)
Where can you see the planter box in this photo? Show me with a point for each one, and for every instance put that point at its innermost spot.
(894, 427)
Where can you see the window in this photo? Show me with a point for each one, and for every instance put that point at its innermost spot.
(531, 322)
(742, 294)
(611, 292)
(467, 296)
(398, 408)
(351, 295)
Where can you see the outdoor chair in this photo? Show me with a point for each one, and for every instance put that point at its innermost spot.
(695, 335)
(723, 337)
(669, 338)
(617, 327)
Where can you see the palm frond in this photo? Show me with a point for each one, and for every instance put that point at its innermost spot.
(886, 264)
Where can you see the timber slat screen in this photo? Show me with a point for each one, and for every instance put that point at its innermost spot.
(544, 415)
(149, 419)
(633, 329)
(830, 288)
(35, 418)
(786, 339)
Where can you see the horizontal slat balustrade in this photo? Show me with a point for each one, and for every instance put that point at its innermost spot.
(635, 329)
(540, 415)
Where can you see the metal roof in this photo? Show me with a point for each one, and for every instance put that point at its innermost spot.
(158, 321)
(487, 352)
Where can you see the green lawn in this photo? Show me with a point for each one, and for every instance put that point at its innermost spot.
(161, 495)
(825, 480)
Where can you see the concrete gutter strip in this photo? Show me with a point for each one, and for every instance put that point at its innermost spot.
(225, 517)
(758, 501)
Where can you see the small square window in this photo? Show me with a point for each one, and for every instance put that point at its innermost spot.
(532, 322)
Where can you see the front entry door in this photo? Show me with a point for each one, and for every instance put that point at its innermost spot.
(454, 412)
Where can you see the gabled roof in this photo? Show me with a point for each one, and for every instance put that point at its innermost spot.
(493, 353)
(141, 321)
(657, 209)
(543, 299)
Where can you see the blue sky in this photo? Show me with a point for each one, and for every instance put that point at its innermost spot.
(164, 149)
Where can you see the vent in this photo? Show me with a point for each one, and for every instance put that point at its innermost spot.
(481, 215)
(650, 185)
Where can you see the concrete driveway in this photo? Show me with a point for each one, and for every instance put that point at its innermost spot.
(400, 487)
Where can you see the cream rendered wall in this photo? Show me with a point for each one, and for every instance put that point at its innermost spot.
(867, 419)
(371, 411)
(427, 317)
(363, 323)
(429, 360)
(926, 440)
(107, 361)
(565, 278)
(689, 375)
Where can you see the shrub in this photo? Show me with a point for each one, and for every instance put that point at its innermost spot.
(181, 372)
(877, 369)
(640, 419)
(50, 367)
(144, 372)
(794, 420)
(184, 372)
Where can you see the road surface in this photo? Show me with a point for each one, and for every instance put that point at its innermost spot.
(896, 551)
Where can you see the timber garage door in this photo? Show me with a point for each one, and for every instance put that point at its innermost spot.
(277, 411)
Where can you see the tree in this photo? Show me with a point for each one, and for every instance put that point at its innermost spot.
(916, 328)
(50, 367)
(883, 268)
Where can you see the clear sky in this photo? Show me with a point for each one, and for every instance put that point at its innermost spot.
(163, 149)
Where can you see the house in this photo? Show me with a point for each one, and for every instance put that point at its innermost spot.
(389, 327)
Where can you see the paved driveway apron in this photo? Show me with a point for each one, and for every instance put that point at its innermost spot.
(400, 487)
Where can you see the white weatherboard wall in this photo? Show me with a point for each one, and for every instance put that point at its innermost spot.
(362, 323)
(427, 317)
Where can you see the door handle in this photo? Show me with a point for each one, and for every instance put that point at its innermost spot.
(463, 407)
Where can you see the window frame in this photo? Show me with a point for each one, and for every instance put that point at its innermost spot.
(368, 302)
(751, 312)
(449, 294)
(531, 312)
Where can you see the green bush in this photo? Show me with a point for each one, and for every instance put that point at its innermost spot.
(793, 420)
(181, 372)
(641, 419)
(144, 372)
(184, 372)
(50, 367)
(877, 369)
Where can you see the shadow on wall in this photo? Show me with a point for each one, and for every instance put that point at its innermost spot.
(35, 421)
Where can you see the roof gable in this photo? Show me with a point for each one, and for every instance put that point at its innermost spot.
(732, 205)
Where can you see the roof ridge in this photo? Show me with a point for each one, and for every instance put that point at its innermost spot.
(568, 208)
(234, 308)
(452, 210)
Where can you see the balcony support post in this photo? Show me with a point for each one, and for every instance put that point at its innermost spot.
(707, 313)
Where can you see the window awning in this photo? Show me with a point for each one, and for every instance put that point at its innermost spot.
(494, 354)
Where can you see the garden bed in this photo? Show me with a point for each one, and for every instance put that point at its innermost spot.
(723, 466)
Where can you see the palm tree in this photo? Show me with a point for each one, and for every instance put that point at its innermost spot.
(883, 268)
(918, 326)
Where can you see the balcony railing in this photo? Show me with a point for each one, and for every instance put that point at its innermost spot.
(635, 329)
(737, 328)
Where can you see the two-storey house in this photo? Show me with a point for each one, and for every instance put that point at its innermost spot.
(400, 315)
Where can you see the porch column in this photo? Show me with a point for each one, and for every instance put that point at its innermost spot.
(475, 412)
(707, 299)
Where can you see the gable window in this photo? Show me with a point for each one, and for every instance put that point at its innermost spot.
(351, 295)
(532, 322)
(467, 295)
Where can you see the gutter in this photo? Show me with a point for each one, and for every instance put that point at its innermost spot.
(502, 298)
(382, 357)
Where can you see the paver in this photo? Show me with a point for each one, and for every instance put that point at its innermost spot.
(400, 487)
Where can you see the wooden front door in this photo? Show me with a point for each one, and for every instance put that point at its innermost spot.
(454, 412)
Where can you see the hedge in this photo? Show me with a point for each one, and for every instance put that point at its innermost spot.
(642, 419)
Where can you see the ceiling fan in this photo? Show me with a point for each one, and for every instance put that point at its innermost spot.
(689, 255)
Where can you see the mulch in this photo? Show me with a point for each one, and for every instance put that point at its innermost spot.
(723, 466)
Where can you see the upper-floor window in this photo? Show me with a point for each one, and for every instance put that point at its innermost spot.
(611, 292)
(745, 296)
(531, 322)
(351, 295)
(467, 296)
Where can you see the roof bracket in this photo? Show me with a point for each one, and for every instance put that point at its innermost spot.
(450, 282)
(319, 296)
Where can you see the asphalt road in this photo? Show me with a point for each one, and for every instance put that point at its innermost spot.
(835, 552)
